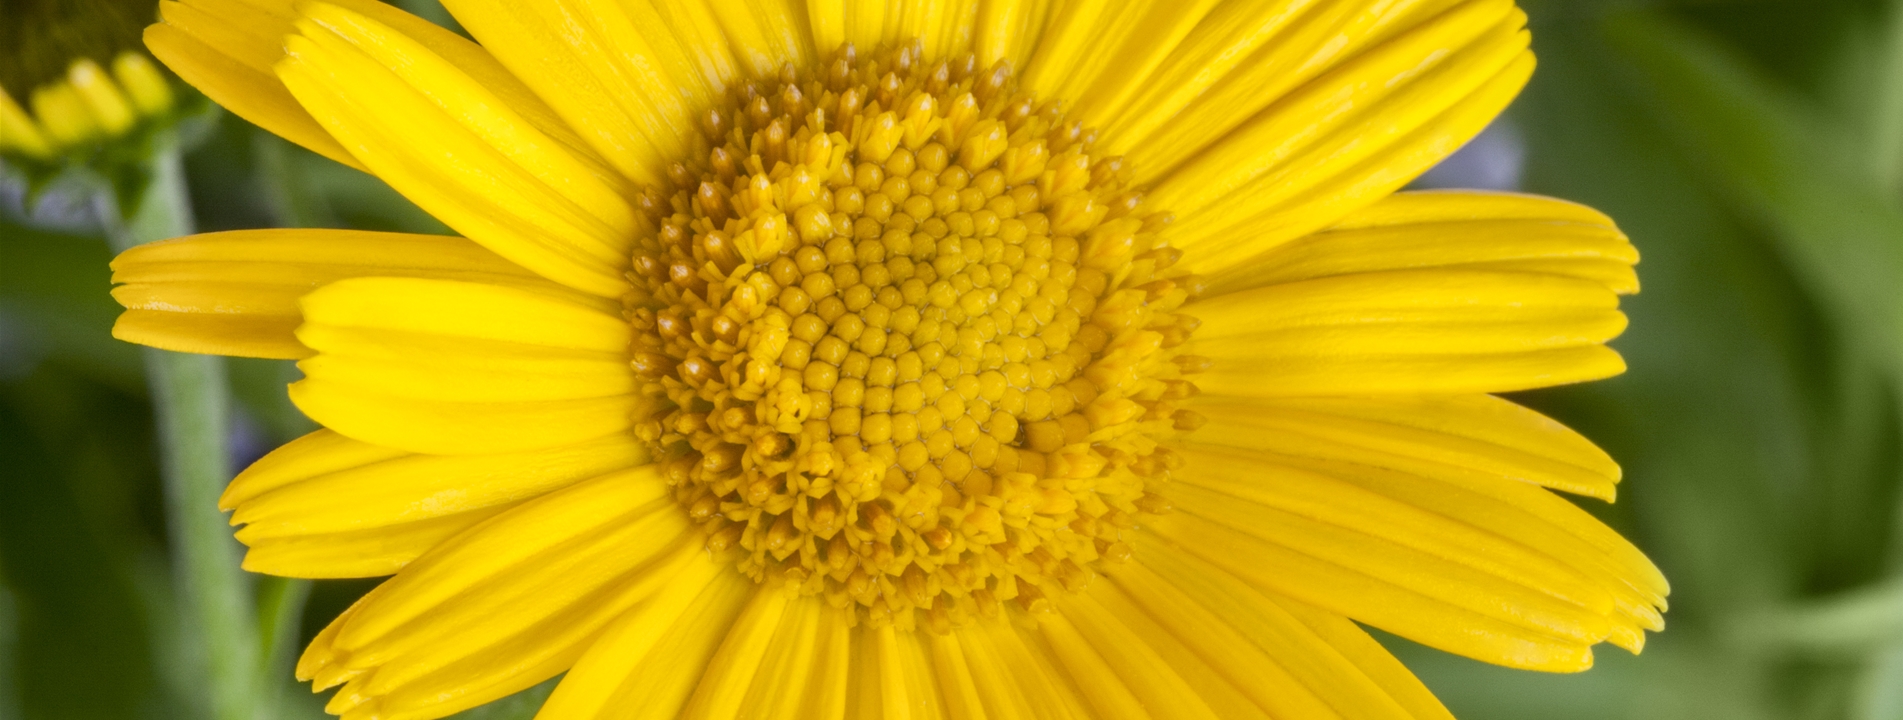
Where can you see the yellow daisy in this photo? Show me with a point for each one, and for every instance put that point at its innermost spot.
(56, 97)
(980, 359)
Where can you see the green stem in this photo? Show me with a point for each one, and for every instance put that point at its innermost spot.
(192, 400)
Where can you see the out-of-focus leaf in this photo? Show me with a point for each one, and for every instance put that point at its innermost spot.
(1856, 622)
(59, 288)
(1879, 692)
(82, 649)
(1886, 131)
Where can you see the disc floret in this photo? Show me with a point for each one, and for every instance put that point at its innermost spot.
(919, 341)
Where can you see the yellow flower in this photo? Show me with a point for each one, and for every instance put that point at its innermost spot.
(55, 98)
(84, 107)
(930, 359)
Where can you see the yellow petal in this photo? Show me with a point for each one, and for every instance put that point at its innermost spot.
(1005, 30)
(955, 682)
(803, 672)
(766, 35)
(895, 677)
(406, 488)
(460, 150)
(1246, 638)
(1348, 138)
(1456, 230)
(1244, 67)
(475, 311)
(1168, 677)
(1370, 657)
(1331, 656)
(1018, 680)
(1243, 58)
(509, 602)
(943, 28)
(18, 132)
(1531, 517)
(235, 293)
(1388, 585)
(1096, 56)
(149, 91)
(391, 332)
(371, 552)
(62, 113)
(1427, 331)
(1102, 687)
(225, 49)
(1383, 447)
(550, 647)
(738, 662)
(1278, 376)
(1342, 504)
(236, 335)
(462, 428)
(859, 22)
(631, 78)
(1477, 433)
(647, 663)
(109, 106)
(328, 506)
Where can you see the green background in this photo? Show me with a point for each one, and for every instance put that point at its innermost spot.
(1752, 150)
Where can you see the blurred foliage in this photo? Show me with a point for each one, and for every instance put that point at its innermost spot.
(1753, 149)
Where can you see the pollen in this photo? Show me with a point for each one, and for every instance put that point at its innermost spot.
(919, 341)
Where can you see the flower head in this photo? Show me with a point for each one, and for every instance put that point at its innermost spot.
(989, 359)
(55, 95)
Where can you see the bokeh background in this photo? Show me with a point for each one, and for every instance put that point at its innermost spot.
(1752, 149)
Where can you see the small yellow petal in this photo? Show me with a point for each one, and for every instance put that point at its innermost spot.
(63, 114)
(109, 107)
(18, 132)
(144, 85)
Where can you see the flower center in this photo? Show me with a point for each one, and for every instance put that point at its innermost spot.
(917, 339)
